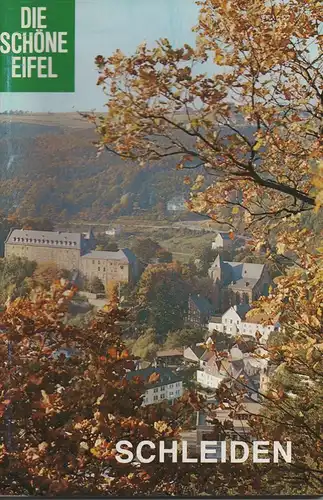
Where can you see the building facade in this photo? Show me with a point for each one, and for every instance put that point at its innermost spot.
(161, 384)
(74, 252)
(211, 371)
(199, 310)
(222, 241)
(238, 282)
(234, 322)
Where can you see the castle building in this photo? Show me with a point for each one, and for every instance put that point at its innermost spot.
(238, 282)
(74, 252)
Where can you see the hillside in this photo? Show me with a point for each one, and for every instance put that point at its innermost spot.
(49, 168)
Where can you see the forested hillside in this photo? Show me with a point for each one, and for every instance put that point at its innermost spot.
(52, 171)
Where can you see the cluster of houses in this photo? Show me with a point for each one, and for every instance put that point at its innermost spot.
(243, 358)
(236, 286)
(244, 364)
(226, 318)
(236, 322)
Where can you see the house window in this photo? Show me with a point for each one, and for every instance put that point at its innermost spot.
(99, 268)
(155, 398)
(243, 416)
(93, 261)
(171, 393)
(121, 267)
(156, 390)
(171, 386)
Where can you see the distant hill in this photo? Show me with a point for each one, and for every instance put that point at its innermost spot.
(48, 168)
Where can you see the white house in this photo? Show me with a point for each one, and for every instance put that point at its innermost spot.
(234, 322)
(211, 372)
(177, 204)
(160, 383)
(222, 241)
(209, 380)
(113, 231)
(241, 361)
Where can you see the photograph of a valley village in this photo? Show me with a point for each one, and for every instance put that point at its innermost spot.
(161, 272)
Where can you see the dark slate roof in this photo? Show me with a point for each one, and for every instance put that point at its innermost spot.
(166, 376)
(239, 274)
(245, 270)
(242, 310)
(203, 305)
(198, 351)
(130, 255)
(124, 255)
(225, 236)
(45, 238)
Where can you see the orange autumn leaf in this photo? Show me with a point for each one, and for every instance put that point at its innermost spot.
(112, 352)
(154, 377)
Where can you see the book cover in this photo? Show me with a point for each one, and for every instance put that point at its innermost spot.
(161, 281)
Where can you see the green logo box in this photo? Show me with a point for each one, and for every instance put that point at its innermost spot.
(37, 45)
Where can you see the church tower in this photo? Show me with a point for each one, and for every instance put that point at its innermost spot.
(216, 270)
(216, 274)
